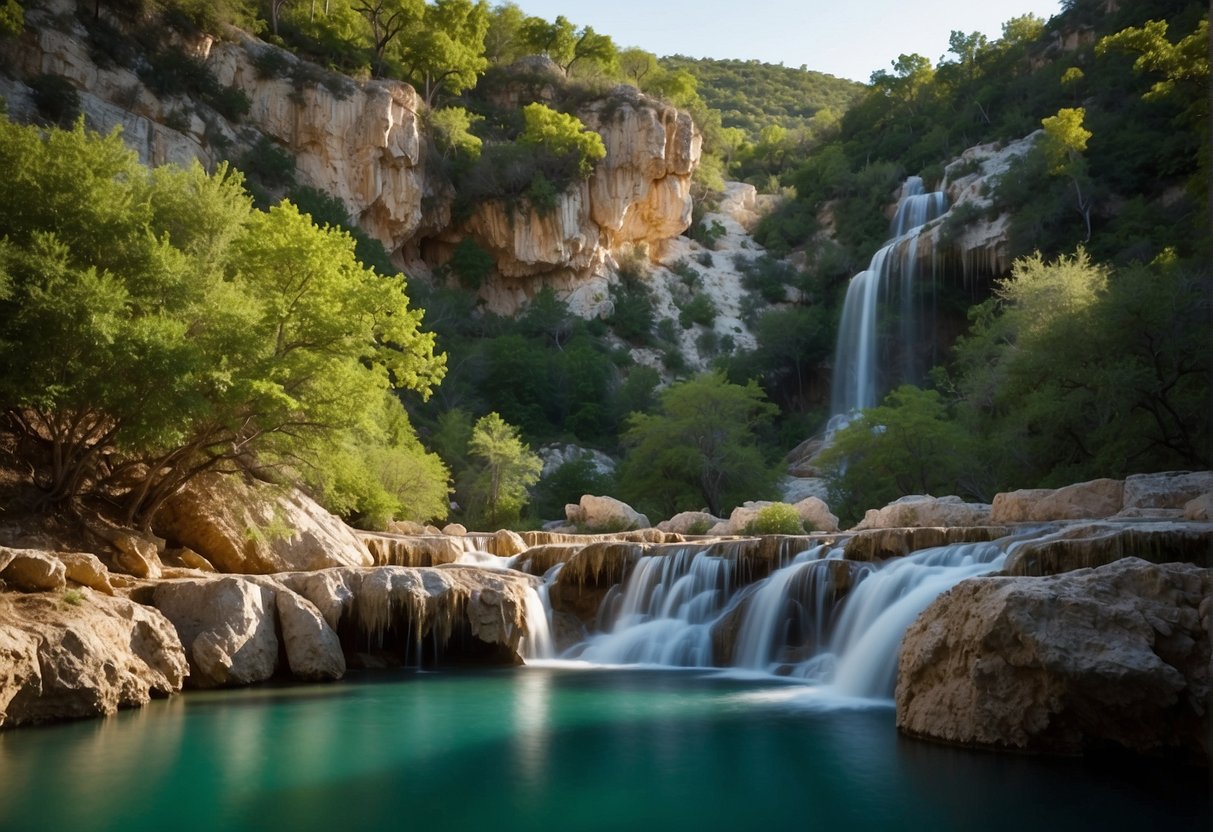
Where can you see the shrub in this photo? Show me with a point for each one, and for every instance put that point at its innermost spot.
(272, 166)
(271, 63)
(705, 259)
(777, 518)
(698, 310)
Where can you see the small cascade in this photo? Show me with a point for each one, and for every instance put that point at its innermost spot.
(537, 612)
(860, 375)
(664, 612)
(818, 616)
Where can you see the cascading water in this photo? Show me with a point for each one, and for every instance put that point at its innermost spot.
(859, 379)
(827, 620)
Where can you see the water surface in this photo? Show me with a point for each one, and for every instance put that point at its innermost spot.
(553, 748)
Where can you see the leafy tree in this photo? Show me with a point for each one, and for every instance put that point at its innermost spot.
(452, 129)
(503, 39)
(563, 135)
(497, 482)
(907, 445)
(555, 39)
(700, 448)
(156, 327)
(12, 19)
(471, 263)
(443, 48)
(1064, 141)
(387, 19)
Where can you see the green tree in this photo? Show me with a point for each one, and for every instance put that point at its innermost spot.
(907, 445)
(699, 449)
(503, 471)
(1064, 141)
(387, 20)
(563, 135)
(155, 326)
(12, 19)
(503, 39)
(443, 48)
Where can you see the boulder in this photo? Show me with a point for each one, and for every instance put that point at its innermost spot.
(226, 626)
(30, 570)
(1082, 501)
(816, 515)
(1169, 490)
(922, 511)
(68, 660)
(313, 650)
(1200, 508)
(454, 530)
(137, 555)
(689, 522)
(86, 570)
(250, 527)
(1114, 656)
(605, 514)
(506, 544)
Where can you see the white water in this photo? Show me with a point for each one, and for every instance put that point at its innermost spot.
(537, 643)
(666, 611)
(859, 379)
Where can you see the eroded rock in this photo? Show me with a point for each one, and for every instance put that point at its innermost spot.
(1081, 501)
(918, 510)
(61, 660)
(1115, 656)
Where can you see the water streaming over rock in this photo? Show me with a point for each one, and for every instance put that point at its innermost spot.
(818, 616)
(861, 374)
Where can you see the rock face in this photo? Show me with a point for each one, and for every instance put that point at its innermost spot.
(31, 570)
(1116, 656)
(1088, 545)
(69, 660)
(638, 196)
(1170, 490)
(254, 528)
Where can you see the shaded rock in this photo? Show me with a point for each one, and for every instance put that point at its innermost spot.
(1200, 508)
(1082, 501)
(86, 570)
(1168, 490)
(1087, 545)
(793, 489)
(192, 560)
(250, 527)
(1116, 656)
(226, 626)
(30, 570)
(413, 550)
(606, 514)
(137, 556)
(689, 522)
(917, 510)
(882, 544)
(65, 661)
(313, 650)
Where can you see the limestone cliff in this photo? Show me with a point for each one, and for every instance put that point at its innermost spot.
(364, 142)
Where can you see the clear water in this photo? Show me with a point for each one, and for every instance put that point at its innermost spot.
(553, 748)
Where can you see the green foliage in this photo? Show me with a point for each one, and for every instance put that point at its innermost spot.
(700, 309)
(471, 264)
(269, 164)
(1129, 395)
(327, 210)
(562, 135)
(633, 317)
(12, 19)
(503, 469)
(452, 128)
(908, 445)
(73, 597)
(56, 99)
(153, 319)
(777, 518)
(700, 448)
(441, 44)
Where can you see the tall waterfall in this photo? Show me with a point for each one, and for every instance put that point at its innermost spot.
(861, 377)
(819, 617)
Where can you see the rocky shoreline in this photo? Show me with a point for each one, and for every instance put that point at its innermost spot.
(1096, 633)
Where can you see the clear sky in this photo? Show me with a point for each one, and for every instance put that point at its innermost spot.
(847, 38)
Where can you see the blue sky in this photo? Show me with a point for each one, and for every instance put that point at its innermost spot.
(847, 38)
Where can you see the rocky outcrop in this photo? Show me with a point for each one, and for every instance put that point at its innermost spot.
(604, 514)
(1081, 501)
(250, 527)
(63, 659)
(30, 570)
(1111, 657)
(918, 510)
(689, 522)
(882, 544)
(813, 512)
(638, 198)
(1087, 545)
(1168, 491)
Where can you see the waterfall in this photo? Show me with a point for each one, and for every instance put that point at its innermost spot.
(859, 377)
(821, 618)
(537, 643)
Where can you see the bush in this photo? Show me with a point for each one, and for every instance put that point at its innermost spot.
(777, 518)
(269, 164)
(698, 310)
